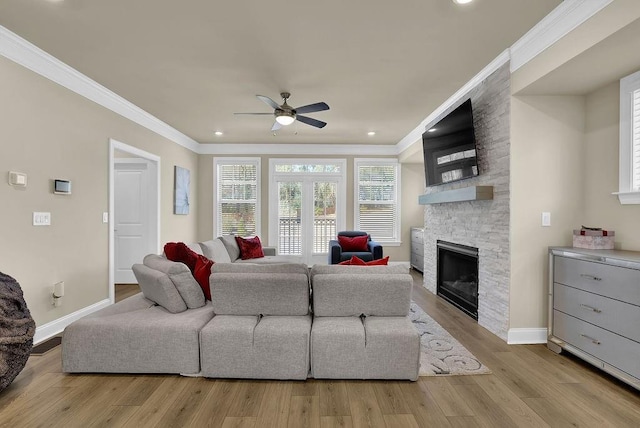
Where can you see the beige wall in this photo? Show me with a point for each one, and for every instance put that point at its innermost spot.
(602, 209)
(547, 169)
(412, 181)
(50, 132)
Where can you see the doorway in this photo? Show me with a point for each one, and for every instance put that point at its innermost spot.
(306, 206)
(134, 210)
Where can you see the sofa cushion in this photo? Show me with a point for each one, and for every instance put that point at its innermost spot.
(214, 249)
(131, 337)
(260, 289)
(196, 248)
(364, 348)
(157, 287)
(181, 277)
(355, 290)
(270, 347)
(250, 248)
(231, 245)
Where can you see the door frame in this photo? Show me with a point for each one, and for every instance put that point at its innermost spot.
(153, 159)
(340, 178)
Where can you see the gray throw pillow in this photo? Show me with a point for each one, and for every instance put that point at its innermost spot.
(181, 277)
(157, 287)
(231, 245)
(215, 250)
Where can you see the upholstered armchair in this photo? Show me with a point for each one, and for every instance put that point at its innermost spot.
(346, 246)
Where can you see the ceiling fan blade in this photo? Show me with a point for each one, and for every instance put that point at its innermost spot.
(268, 101)
(261, 114)
(276, 126)
(312, 122)
(312, 108)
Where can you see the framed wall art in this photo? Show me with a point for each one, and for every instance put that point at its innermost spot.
(181, 190)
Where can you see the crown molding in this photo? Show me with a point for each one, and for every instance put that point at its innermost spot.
(562, 20)
(28, 55)
(299, 149)
(416, 134)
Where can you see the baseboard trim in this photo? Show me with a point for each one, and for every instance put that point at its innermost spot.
(526, 336)
(52, 328)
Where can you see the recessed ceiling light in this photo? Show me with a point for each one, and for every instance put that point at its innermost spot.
(432, 130)
(462, 1)
(371, 133)
(219, 133)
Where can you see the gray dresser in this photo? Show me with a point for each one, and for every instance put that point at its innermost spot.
(594, 308)
(417, 248)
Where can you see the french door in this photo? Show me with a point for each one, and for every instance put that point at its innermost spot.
(306, 208)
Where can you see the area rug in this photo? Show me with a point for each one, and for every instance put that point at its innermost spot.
(440, 353)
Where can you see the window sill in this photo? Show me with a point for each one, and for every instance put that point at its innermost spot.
(628, 198)
(389, 244)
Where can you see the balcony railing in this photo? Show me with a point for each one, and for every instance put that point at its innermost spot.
(290, 235)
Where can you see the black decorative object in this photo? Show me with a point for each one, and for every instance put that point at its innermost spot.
(16, 330)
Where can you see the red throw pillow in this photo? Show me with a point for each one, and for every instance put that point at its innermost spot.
(357, 261)
(179, 252)
(201, 273)
(346, 262)
(380, 262)
(250, 248)
(356, 243)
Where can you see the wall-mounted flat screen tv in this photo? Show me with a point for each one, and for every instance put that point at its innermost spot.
(449, 148)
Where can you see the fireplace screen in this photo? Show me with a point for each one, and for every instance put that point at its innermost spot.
(458, 276)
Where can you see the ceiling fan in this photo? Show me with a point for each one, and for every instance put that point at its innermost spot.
(286, 115)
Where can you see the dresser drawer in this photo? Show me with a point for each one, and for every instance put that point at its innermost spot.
(417, 248)
(615, 350)
(613, 315)
(611, 281)
(417, 236)
(417, 261)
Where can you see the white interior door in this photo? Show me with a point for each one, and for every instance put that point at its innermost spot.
(134, 215)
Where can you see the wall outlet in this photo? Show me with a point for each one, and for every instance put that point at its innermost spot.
(546, 219)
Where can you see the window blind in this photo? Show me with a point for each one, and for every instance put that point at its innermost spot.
(237, 199)
(635, 147)
(377, 212)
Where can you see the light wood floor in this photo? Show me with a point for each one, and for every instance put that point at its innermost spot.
(530, 386)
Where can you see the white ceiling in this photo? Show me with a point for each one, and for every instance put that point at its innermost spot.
(381, 66)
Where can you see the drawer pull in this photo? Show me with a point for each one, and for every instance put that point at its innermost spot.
(595, 341)
(595, 278)
(591, 308)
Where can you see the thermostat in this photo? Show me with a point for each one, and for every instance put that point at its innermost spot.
(62, 187)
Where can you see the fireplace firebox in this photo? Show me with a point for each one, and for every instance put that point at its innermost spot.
(458, 276)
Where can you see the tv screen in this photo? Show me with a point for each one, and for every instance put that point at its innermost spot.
(449, 148)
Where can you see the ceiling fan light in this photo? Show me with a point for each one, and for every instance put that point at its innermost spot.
(285, 119)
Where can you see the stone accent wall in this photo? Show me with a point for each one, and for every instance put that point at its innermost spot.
(481, 224)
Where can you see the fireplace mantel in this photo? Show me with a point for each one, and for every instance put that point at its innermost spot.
(472, 193)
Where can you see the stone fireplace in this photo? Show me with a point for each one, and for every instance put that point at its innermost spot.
(481, 224)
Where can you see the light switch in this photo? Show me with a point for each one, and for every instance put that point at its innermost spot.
(546, 219)
(105, 217)
(41, 218)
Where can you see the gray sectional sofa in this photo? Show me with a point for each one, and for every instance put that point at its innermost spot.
(262, 323)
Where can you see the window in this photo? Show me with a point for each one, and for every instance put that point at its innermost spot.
(377, 191)
(237, 196)
(629, 191)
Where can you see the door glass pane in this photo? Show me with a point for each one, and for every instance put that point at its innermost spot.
(324, 215)
(289, 207)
